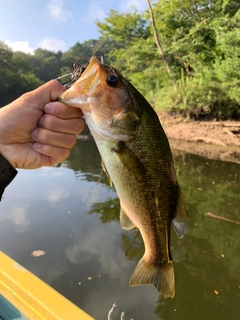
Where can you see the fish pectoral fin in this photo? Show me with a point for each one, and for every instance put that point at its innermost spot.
(180, 221)
(129, 160)
(126, 223)
(160, 275)
(107, 174)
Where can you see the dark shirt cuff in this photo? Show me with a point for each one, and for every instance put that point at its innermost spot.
(7, 174)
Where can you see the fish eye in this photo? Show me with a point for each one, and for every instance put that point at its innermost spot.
(112, 80)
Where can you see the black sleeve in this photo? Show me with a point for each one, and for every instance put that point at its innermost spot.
(7, 174)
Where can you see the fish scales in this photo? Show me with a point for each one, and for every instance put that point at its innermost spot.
(138, 161)
(135, 190)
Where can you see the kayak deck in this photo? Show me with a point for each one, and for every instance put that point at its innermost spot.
(23, 296)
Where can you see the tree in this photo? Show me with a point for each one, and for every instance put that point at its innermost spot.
(47, 64)
(134, 49)
(201, 47)
(16, 74)
(159, 45)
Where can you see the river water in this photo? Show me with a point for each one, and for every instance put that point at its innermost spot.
(72, 214)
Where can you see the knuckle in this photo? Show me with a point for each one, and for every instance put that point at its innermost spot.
(60, 110)
(66, 153)
(50, 121)
(46, 121)
(79, 126)
(41, 135)
(52, 82)
(72, 140)
(76, 126)
(63, 155)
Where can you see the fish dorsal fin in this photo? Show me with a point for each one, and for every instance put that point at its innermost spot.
(105, 170)
(180, 221)
(126, 223)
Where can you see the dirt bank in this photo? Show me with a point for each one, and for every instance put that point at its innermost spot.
(211, 139)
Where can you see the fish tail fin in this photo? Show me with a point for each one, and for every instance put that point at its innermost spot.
(160, 275)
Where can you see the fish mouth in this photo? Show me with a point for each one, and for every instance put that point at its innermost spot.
(78, 95)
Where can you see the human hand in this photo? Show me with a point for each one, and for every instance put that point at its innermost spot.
(36, 130)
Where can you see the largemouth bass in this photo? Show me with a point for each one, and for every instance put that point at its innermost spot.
(137, 159)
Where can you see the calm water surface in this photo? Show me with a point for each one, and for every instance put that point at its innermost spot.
(71, 213)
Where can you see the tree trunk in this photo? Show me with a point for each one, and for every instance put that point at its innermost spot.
(159, 45)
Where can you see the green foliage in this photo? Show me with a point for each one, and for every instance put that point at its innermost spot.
(201, 45)
(108, 210)
(213, 87)
(20, 72)
(131, 54)
(202, 95)
(124, 27)
(16, 75)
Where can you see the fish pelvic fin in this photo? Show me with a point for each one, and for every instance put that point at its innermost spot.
(107, 174)
(180, 221)
(126, 223)
(160, 275)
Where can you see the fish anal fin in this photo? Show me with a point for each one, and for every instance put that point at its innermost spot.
(180, 221)
(107, 174)
(160, 275)
(126, 223)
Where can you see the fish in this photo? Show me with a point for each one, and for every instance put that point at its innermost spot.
(137, 159)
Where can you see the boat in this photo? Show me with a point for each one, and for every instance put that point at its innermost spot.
(23, 296)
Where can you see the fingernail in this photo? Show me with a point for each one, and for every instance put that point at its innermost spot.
(34, 134)
(49, 108)
(36, 145)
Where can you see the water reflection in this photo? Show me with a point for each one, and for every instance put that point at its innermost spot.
(72, 214)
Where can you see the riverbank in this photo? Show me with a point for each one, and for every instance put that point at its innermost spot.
(211, 139)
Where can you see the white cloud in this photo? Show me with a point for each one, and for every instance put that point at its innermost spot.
(58, 11)
(20, 46)
(47, 43)
(18, 215)
(94, 245)
(56, 195)
(127, 5)
(52, 44)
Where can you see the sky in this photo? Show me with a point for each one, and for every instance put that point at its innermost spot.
(26, 25)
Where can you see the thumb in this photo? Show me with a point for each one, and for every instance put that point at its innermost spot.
(46, 93)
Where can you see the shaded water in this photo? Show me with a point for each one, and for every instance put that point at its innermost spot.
(71, 213)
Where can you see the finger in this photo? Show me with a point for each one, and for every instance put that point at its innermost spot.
(70, 126)
(55, 139)
(62, 111)
(55, 154)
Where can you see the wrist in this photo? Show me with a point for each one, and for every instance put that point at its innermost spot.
(6, 152)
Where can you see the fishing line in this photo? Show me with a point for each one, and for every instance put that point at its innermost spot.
(65, 75)
(78, 69)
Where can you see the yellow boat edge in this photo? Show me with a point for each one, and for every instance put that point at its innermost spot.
(33, 297)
